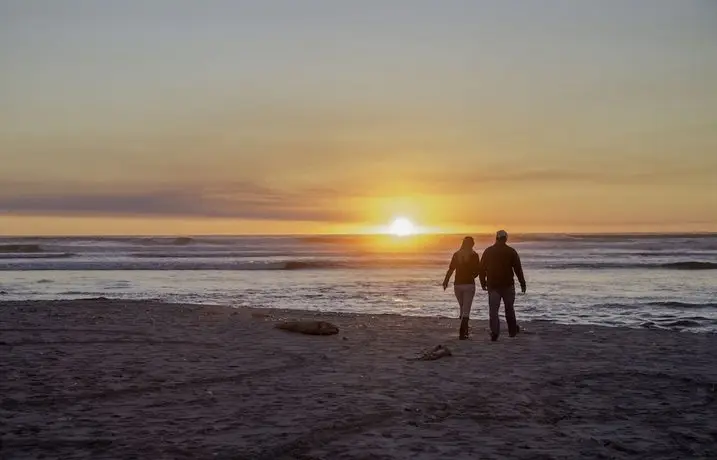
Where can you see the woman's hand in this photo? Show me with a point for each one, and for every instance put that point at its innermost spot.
(447, 278)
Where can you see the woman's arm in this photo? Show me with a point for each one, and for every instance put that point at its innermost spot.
(476, 265)
(482, 271)
(449, 273)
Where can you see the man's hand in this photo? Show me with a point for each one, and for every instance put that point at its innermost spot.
(523, 288)
(484, 287)
(445, 285)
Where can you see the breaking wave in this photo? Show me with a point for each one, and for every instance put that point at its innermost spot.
(123, 265)
(207, 264)
(685, 305)
(686, 265)
(691, 265)
(40, 255)
(20, 248)
(255, 261)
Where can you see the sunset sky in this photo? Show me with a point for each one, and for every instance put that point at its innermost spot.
(190, 117)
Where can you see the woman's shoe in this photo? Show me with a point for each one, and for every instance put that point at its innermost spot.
(463, 332)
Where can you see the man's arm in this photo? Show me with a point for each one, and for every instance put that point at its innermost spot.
(518, 269)
(449, 273)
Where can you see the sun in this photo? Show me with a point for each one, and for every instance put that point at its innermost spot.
(402, 227)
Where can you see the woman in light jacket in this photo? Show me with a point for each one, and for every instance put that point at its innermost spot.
(466, 263)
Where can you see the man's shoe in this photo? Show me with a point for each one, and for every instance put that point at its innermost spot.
(493, 337)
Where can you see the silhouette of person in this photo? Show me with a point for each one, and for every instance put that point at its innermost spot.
(498, 264)
(466, 263)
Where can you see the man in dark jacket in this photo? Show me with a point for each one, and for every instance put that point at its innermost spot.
(498, 264)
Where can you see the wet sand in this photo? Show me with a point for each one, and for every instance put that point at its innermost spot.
(112, 379)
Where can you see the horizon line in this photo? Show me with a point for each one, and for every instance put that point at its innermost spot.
(280, 235)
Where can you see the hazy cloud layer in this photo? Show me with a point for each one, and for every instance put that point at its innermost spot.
(317, 203)
(240, 201)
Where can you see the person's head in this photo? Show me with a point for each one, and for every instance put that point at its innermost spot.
(468, 243)
(501, 236)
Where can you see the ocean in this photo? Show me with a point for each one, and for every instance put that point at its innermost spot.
(655, 281)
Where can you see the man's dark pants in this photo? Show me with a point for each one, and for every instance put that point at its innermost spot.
(507, 295)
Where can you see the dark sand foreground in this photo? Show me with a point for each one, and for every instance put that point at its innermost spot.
(110, 379)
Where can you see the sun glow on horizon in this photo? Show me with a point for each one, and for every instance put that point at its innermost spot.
(402, 227)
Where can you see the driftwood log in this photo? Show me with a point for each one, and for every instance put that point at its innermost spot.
(309, 327)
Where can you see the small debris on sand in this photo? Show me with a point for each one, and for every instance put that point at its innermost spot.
(437, 352)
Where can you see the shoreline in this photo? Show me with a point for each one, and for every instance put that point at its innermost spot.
(294, 312)
(113, 378)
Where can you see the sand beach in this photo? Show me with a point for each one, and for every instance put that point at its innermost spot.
(92, 379)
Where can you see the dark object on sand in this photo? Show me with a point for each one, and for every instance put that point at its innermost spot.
(309, 327)
(437, 352)
(3, 292)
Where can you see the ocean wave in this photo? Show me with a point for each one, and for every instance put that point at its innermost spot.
(203, 265)
(685, 305)
(45, 255)
(252, 261)
(215, 255)
(672, 253)
(648, 306)
(684, 265)
(690, 265)
(20, 248)
(178, 241)
(304, 265)
(123, 265)
(681, 323)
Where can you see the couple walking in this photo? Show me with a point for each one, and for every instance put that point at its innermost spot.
(495, 271)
